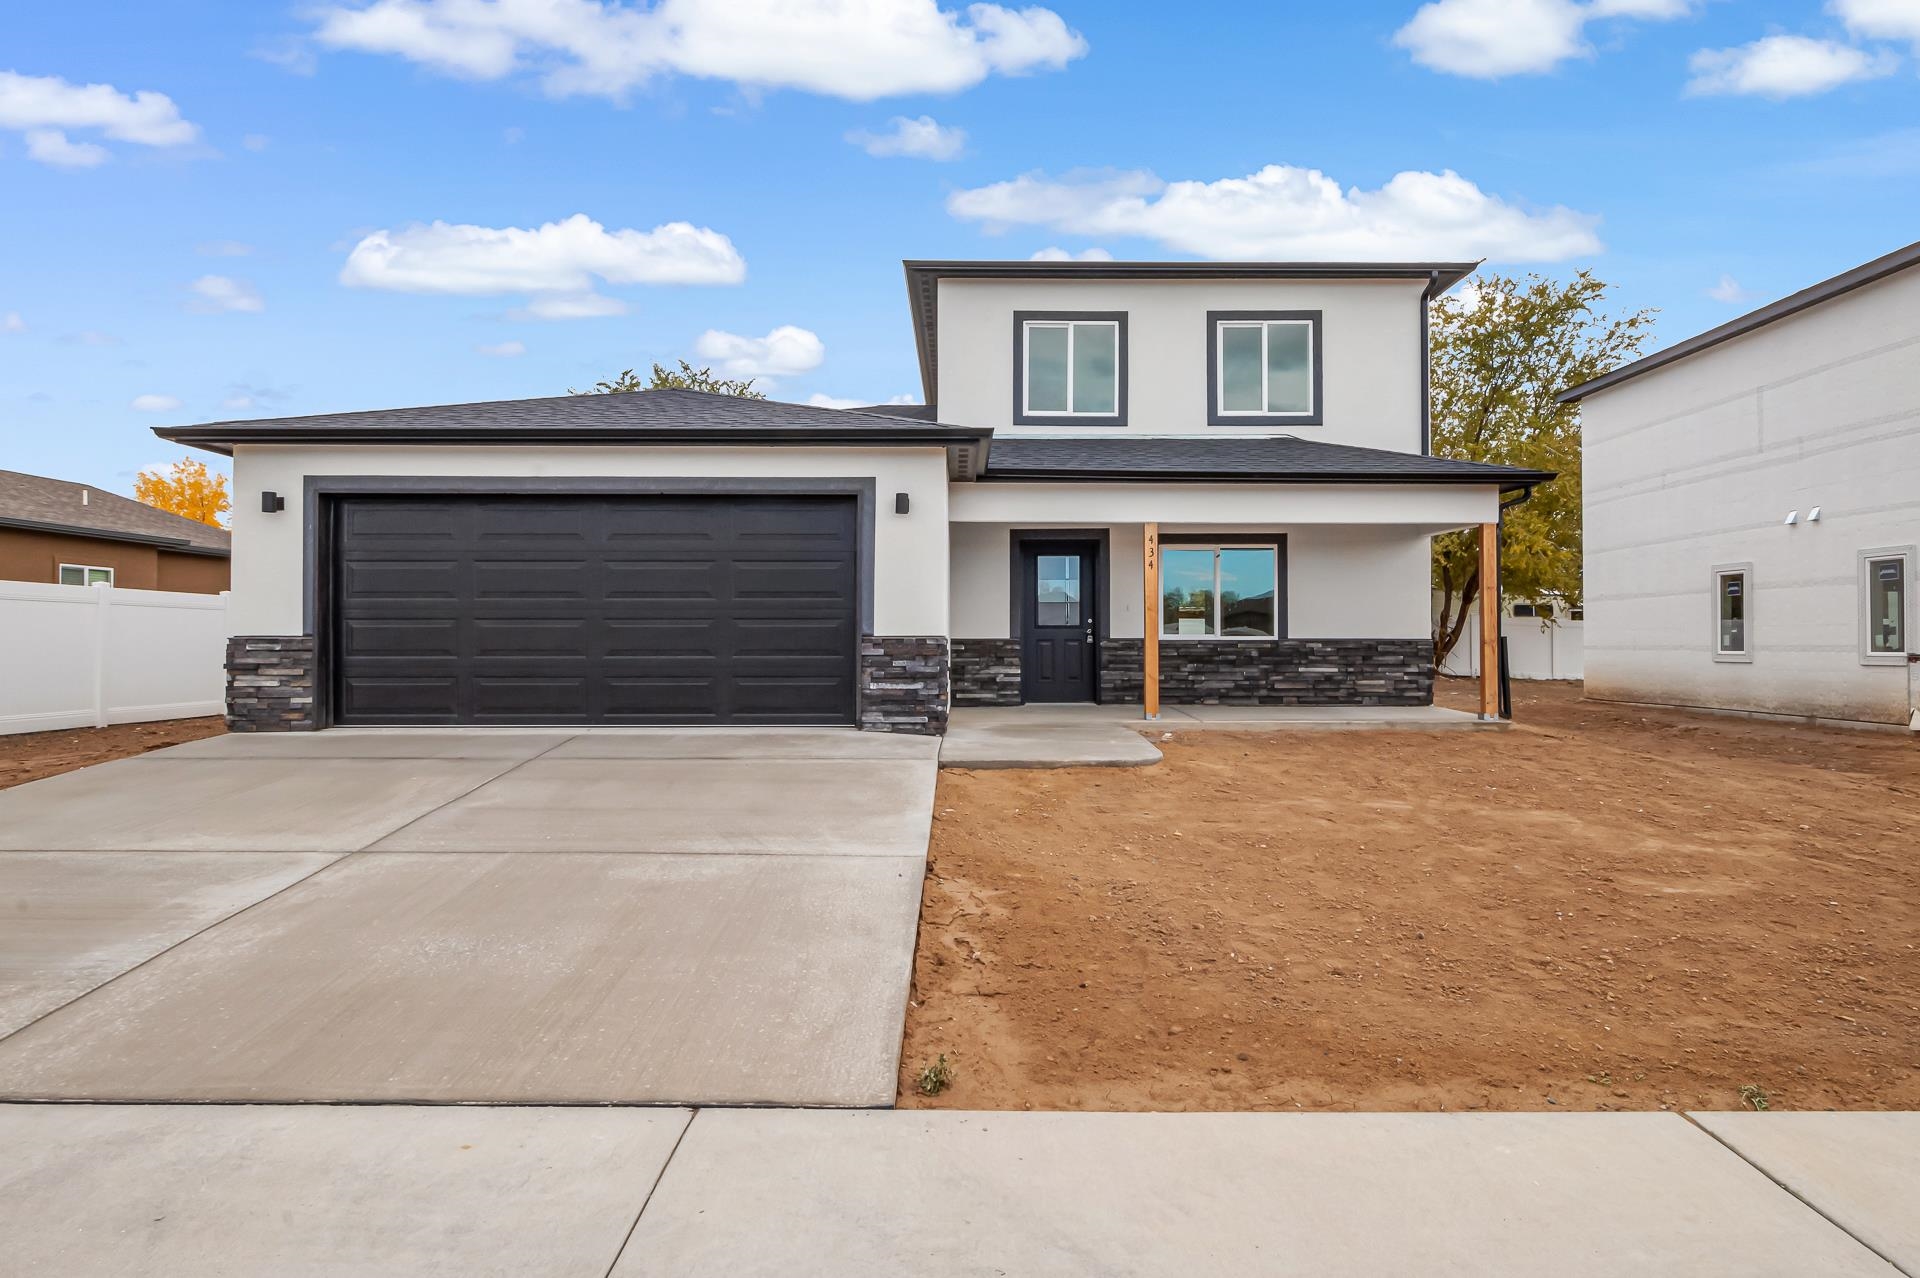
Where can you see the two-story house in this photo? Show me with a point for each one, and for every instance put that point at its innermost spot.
(1130, 482)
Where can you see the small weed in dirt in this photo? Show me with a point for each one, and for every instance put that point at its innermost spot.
(1753, 1096)
(937, 1077)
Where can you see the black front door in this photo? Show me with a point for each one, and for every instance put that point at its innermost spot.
(1057, 645)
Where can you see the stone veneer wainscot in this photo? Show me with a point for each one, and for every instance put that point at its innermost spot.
(903, 683)
(270, 681)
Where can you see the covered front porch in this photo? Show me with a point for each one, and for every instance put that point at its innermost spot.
(1243, 596)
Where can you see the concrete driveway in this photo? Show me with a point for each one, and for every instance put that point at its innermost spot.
(645, 917)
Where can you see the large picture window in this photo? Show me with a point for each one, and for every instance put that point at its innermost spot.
(1070, 367)
(1885, 594)
(1219, 592)
(1263, 367)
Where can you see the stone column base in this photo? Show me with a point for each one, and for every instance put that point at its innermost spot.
(270, 682)
(903, 683)
(986, 672)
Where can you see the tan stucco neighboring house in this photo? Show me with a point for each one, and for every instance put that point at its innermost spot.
(56, 531)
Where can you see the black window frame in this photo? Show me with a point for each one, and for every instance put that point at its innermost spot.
(1229, 540)
(1315, 321)
(1021, 417)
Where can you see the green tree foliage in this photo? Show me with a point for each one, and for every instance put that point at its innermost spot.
(686, 377)
(1502, 348)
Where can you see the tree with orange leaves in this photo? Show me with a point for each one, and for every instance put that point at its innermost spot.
(185, 488)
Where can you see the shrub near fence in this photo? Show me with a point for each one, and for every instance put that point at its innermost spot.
(88, 656)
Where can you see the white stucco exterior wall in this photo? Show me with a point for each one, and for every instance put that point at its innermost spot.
(910, 551)
(1342, 583)
(1697, 464)
(1370, 338)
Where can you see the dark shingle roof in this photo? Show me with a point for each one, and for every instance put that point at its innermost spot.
(1282, 458)
(659, 416)
(58, 505)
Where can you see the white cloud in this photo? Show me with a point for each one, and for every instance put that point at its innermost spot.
(223, 248)
(255, 141)
(219, 294)
(922, 137)
(781, 353)
(834, 401)
(1784, 66)
(51, 146)
(556, 265)
(1728, 290)
(154, 404)
(242, 396)
(566, 306)
(854, 49)
(90, 337)
(1282, 212)
(1054, 253)
(1488, 39)
(1880, 19)
(12, 323)
(503, 350)
(45, 108)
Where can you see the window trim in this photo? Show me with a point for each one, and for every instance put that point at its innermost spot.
(84, 570)
(1745, 570)
(1315, 416)
(1021, 417)
(1276, 542)
(1863, 588)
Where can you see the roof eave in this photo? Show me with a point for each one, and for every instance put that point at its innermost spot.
(156, 540)
(223, 439)
(1504, 481)
(1825, 291)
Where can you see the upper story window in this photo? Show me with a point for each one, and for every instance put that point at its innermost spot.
(1071, 367)
(1263, 368)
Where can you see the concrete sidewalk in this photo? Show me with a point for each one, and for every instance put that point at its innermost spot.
(205, 1191)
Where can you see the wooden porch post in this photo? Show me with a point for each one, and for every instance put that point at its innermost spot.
(1150, 620)
(1489, 621)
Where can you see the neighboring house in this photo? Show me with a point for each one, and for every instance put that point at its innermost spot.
(1253, 436)
(1545, 640)
(74, 534)
(1753, 505)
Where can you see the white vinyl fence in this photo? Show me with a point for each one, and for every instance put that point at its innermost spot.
(88, 656)
(1536, 649)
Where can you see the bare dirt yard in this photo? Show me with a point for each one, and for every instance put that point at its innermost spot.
(1603, 907)
(32, 755)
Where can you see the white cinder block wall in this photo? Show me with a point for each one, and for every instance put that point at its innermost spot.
(1698, 463)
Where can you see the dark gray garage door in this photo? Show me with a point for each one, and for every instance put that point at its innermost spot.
(639, 610)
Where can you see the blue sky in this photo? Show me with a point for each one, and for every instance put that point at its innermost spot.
(261, 240)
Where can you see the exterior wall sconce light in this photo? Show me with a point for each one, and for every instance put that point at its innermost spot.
(271, 502)
(1813, 516)
(900, 503)
(1793, 517)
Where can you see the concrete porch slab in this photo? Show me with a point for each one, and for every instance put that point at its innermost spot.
(854, 807)
(371, 743)
(507, 978)
(1860, 1170)
(1478, 1196)
(242, 1191)
(75, 920)
(1289, 718)
(745, 743)
(1003, 739)
(232, 805)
